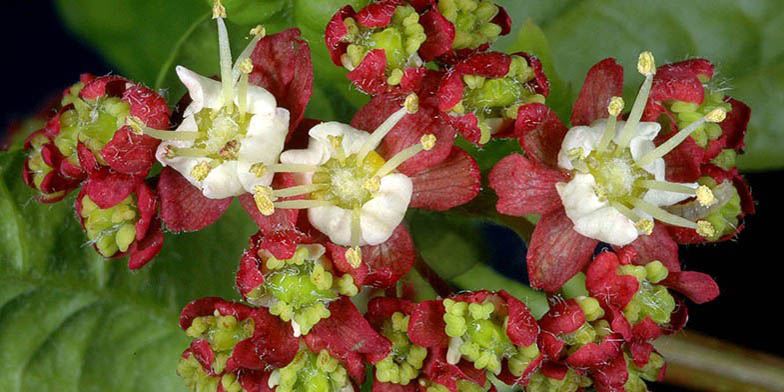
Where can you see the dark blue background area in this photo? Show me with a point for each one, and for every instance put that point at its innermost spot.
(40, 58)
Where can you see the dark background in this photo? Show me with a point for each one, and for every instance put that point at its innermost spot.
(40, 58)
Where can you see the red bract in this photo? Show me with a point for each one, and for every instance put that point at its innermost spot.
(483, 92)
(282, 65)
(128, 224)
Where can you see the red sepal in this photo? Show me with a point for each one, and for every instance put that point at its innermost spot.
(524, 188)
(201, 350)
(683, 162)
(453, 182)
(106, 187)
(656, 246)
(335, 31)
(438, 370)
(697, 286)
(281, 219)
(282, 65)
(612, 376)
(249, 274)
(370, 75)
(594, 355)
(556, 252)
(604, 284)
(521, 328)
(508, 378)
(272, 345)
(563, 317)
(377, 14)
(440, 35)
(145, 249)
(541, 133)
(380, 309)
(677, 81)
(426, 325)
(348, 337)
(183, 206)
(603, 81)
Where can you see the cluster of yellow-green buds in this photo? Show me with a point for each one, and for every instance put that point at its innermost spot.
(687, 113)
(111, 229)
(405, 359)
(299, 289)
(400, 41)
(472, 21)
(651, 300)
(310, 372)
(638, 376)
(571, 382)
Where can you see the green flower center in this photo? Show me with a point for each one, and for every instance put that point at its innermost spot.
(36, 164)
(221, 132)
(651, 300)
(90, 121)
(570, 383)
(688, 112)
(403, 363)
(196, 379)
(400, 41)
(615, 176)
(493, 100)
(300, 288)
(472, 22)
(479, 333)
(309, 372)
(112, 229)
(348, 185)
(222, 333)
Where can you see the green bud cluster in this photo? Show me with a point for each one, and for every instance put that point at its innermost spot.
(651, 300)
(36, 163)
(481, 331)
(300, 288)
(725, 218)
(309, 372)
(222, 333)
(689, 112)
(462, 386)
(638, 376)
(112, 229)
(90, 121)
(400, 41)
(520, 361)
(405, 359)
(570, 383)
(472, 22)
(196, 379)
(495, 99)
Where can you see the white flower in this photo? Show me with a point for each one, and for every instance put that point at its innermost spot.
(258, 138)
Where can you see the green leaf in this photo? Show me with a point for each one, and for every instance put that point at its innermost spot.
(742, 38)
(71, 320)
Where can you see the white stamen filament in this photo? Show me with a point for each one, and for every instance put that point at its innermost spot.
(375, 138)
(227, 80)
(245, 54)
(427, 142)
(303, 204)
(667, 186)
(661, 215)
(138, 126)
(630, 128)
(670, 144)
(298, 190)
(242, 94)
(356, 228)
(614, 109)
(190, 152)
(625, 211)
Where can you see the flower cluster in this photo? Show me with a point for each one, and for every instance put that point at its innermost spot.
(90, 143)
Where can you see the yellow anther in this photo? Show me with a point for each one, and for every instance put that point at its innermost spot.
(646, 64)
(644, 226)
(412, 103)
(577, 153)
(354, 256)
(716, 115)
(258, 31)
(246, 66)
(615, 107)
(262, 195)
(428, 141)
(258, 169)
(218, 11)
(372, 184)
(705, 228)
(705, 196)
(201, 170)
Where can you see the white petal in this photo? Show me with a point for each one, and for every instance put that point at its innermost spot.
(204, 92)
(222, 182)
(384, 212)
(665, 198)
(260, 101)
(583, 137)
(641, 145)
(607, 225)
(353, 138)
(262, 143)
(333, 221)
(579, 196)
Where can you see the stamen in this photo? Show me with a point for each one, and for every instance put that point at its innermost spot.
(705, 196)
(258, 33)
(303, 204)
(410, 106)
(262, 195)
(625, 211)
(242, 89)
(644, 226)
(356, 228)
(354, 256)
(227, 79)
(705, 229)
(218, 11)
(667, 186)
(614, 108)
(140, 129)
(427, 142)
(189, 152)
(298, 190)
(647, 67)
(678, 138)
(662, 215)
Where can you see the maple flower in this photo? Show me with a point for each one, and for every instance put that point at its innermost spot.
(492, 331)
(229, 127)
(235, 347)
(482, 94)
(355, 197)
(602, 180)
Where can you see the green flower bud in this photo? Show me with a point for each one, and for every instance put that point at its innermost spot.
(726, 159)
(656, 271)
(591, 308)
